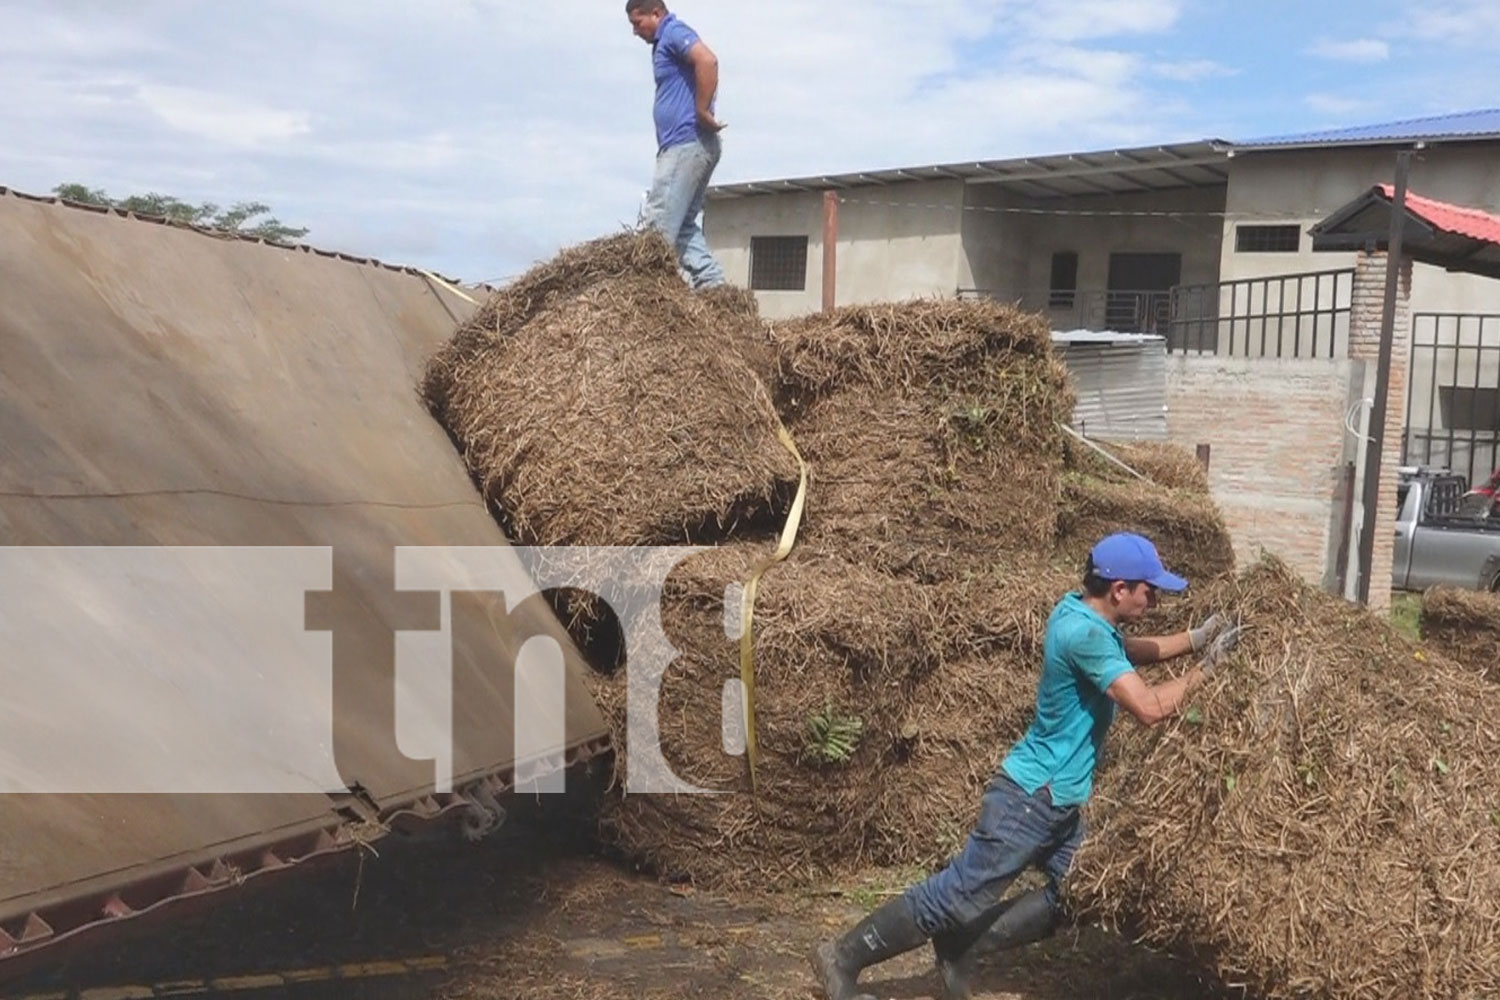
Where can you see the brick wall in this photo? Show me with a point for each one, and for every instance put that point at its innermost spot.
(1276, 432)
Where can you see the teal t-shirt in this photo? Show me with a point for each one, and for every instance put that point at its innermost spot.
(1082, 656)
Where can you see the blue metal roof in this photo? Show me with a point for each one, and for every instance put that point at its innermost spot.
(1464, 125)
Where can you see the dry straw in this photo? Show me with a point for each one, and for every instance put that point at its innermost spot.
(597, 401)
(931, 429)
(1465, 625)
(1323, 823)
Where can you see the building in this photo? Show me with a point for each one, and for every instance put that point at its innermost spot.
(1207, 244)
(1101, 239)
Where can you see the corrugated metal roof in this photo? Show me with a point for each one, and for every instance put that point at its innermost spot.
(1125, 171)
(1462, 126)
(1110, 171)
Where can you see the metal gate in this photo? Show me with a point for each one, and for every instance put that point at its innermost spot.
(1280, 316)
(1304, 315)
(1453, 403)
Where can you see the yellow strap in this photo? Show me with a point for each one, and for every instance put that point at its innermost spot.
(439, 281)
(747, 611)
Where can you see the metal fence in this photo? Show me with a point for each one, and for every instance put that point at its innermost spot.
(1280, 316)
(1453, 402)
(1090, 309)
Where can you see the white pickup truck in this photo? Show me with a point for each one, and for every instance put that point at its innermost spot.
(1442, 537)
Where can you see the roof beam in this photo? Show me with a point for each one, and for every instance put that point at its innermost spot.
(1049, 188)
(1105, 188)
(1042, 170)
(1180, 178)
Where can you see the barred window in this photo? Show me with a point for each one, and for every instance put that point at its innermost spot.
(1470, 409)
(778, 263)
(1063, 288)
(1267, 239)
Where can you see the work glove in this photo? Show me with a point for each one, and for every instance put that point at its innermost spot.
(1219, 649)
(1207, 632)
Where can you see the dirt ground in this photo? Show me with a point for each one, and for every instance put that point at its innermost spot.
(525, 914)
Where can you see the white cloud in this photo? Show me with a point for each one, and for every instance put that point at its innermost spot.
(1192, 70)
(1454, 22)
(1356, 50)
(1086, 19)
(50, 32)
(222, 118)
(473, 137)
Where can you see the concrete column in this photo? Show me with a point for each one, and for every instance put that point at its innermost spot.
(1364, 345)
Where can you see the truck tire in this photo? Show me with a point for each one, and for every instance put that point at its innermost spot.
(1489, 577)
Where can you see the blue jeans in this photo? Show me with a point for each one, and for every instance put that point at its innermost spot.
(1015, 832)
(678, 188)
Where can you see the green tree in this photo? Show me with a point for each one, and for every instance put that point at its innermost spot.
(243, 217)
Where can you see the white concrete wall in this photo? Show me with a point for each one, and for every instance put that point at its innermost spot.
(1011, 251)
(896, 242)
(1306, 186)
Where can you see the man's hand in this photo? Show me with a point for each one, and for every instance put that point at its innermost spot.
(1207, 632)
(1223, 644)
(708, 123)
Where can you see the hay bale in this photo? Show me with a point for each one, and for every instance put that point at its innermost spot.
(598, 401)
(831, 638)
(931, 429)
(1464, 625)
(1186, 526)
(1323, 824)
(623, 255)
(1169, 465)
(1160, 462)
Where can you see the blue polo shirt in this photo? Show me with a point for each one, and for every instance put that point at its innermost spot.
(1082, 656)
(676, 109)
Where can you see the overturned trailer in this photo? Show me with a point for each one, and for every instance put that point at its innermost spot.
(164, 391)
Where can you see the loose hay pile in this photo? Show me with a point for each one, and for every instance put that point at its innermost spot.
(1324, 824)
(597, 401)
(1465, 626)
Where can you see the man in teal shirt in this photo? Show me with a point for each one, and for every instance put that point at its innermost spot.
(1031, 813)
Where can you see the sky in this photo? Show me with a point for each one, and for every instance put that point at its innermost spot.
(477, 137)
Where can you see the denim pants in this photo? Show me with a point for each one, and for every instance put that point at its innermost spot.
(1015, 832)
(678, 187)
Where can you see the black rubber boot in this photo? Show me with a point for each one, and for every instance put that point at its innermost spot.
(886, 933)
(1026, 919)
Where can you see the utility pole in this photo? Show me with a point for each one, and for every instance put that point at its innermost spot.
(830, 249)
(1376, 444)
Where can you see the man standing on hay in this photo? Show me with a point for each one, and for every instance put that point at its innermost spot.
(1031, 812)
(687, 135)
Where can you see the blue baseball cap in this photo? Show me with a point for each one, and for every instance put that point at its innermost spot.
(1131, 557)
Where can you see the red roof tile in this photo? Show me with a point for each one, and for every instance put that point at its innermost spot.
(1470, 222)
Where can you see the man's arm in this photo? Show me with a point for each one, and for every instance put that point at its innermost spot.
(1154, 704)
(1158, 648)
(705, 82)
